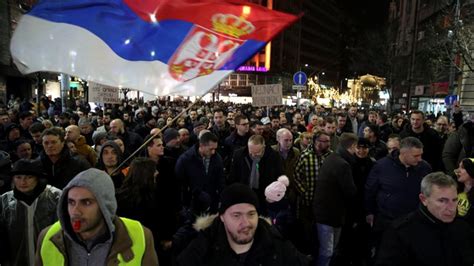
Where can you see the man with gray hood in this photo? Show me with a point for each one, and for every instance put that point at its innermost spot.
(89, 232)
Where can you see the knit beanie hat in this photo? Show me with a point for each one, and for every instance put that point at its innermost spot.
(374, 128)
(468, 164)
(363, 142)
(276, 190)
(170, 134)
(235, 194)
(200, 202)
(28, 167)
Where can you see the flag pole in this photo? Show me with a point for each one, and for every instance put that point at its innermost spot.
(157, 132)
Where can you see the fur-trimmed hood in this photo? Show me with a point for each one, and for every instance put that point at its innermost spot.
(211, 247)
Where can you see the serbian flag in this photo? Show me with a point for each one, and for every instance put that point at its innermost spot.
(162, 47)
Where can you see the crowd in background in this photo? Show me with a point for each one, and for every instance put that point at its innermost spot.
(342, 190)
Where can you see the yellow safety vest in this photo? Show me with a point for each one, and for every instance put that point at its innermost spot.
(51, 256)
(463, 204)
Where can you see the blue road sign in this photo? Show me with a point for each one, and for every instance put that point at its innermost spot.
(449, 100)
(300, 78)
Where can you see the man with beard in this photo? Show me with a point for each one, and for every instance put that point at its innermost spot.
(89, 232)
(110, 158)
(306, 174)
(237, 236)
(131, 140)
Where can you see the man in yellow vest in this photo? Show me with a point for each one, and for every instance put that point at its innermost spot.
(88, 231)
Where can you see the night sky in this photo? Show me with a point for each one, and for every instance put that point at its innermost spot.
(367, 14)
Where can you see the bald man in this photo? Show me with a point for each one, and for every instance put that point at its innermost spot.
(289, 156)
(131, 140)
(73, 133)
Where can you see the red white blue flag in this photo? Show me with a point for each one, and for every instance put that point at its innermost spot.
(163, 47)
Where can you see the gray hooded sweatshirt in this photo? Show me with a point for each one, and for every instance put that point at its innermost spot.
(95, 251)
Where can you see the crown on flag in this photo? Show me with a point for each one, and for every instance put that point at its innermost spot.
(232, 25)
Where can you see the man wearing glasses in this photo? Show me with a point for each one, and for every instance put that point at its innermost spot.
(240, 136)
(305, 176)
(441, 127)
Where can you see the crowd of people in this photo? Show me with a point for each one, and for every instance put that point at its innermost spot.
(230, 184)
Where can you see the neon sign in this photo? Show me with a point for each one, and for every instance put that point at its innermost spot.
(252, 69)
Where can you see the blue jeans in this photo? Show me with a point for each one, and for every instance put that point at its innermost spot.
(328, 237)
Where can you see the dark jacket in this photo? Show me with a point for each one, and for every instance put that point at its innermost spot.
(288, 167)
(360, 172)
(458, 146)
(432, 145)
(270, 168)
(212, 248)
(392, 189)
(385, 131)
(420, 239)
(131, 140)
(191, 173)
(118, 176)
(378, 149)
(61, 172)
(234, 142)
(335, 189)
(222, 134)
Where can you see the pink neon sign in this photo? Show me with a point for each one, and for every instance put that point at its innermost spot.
(252, 69)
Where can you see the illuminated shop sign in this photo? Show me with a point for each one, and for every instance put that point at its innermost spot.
(252, 69)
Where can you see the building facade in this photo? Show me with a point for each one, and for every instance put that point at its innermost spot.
(425, 66)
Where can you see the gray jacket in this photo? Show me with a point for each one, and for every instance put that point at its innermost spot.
(13, 218)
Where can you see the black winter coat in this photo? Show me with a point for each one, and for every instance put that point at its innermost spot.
(335, 189)
(392, 189)
(211, 248)
(432, 145)
(191, 173)
(422, 240)
(65, 169)
(458, 146)
(270, 168)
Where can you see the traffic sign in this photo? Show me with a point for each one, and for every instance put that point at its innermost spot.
(300, 78)
(299, 87)
(449, 100)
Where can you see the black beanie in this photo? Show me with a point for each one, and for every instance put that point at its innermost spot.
(235, 194)
(468, 165)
